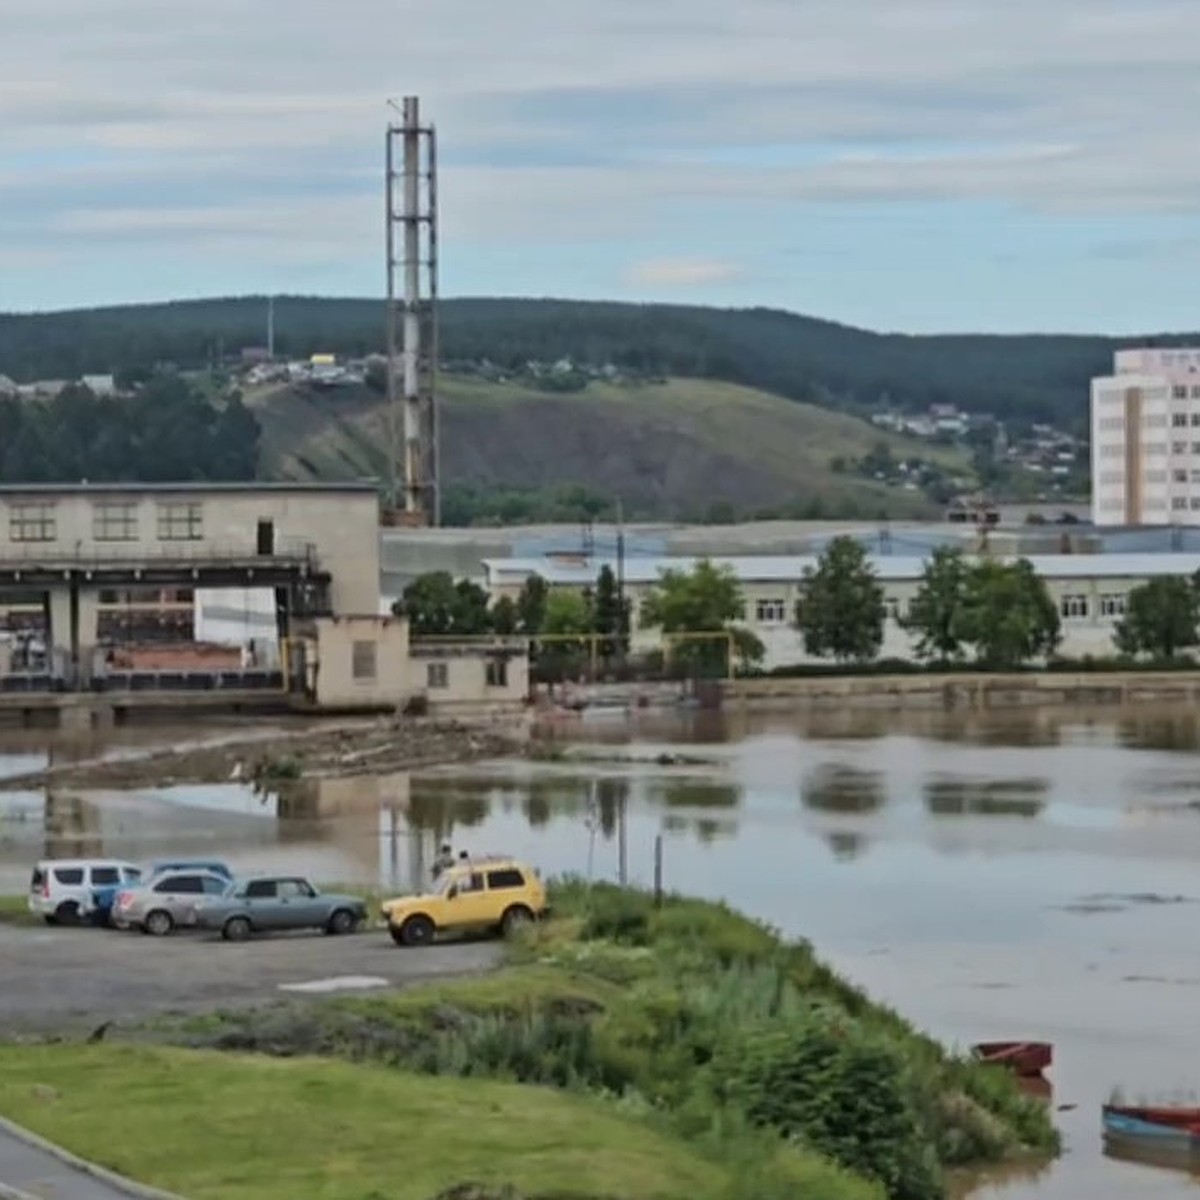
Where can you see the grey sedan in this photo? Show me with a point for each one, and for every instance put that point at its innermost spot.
(278, 902)
(167, 901)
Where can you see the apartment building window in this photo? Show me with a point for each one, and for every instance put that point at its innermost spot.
(180, 522)
(115, 521)
(437, 675)
(1152, 476)
(1194, 503)
(1179, 392)
(1177, 502)
(1179, 420)
(770, 612)
(497, 672)
(362, 660)
(1111, 451)
(1179, 447)
(1112, 604)
(1195, 392)
(1112, 476)
(1195, 419)
(1156, 449)
(1179, 476)
(32, 523)
(1073, 606)
(1155, 421)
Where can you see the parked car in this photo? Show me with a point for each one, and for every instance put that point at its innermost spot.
(165, 901)
(275, 902)
(475, 895)
(61, 890)
(106, 899)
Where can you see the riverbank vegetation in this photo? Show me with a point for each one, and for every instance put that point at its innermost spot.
(701, 1024)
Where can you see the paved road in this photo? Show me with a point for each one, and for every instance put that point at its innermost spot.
(69, 978)
(40, 1174)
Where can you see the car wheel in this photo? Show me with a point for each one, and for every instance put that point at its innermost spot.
(50, 919)
(416, 931)
(158, 923)
(67, 913)
(515, 918)
(342, 921)
(236, 929)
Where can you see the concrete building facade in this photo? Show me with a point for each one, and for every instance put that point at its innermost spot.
(1090, 591)
(1145, 435)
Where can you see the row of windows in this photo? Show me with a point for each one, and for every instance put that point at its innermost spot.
(1073, 607)
(437, 674)
(115, 521)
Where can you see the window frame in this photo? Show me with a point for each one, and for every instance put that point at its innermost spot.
(31, 521)
(364, 660)
(180, 521)
(115, 521)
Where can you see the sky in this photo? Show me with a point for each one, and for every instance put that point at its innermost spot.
(910, 165)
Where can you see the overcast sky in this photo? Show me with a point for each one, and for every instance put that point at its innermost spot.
(900, 164)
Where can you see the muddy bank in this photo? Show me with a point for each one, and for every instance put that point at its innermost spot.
(365, 747)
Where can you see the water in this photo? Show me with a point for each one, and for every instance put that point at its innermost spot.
(1020, 875)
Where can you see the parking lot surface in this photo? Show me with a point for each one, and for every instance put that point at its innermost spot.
(67, 978)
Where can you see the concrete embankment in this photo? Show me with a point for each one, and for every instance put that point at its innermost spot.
(965, 690)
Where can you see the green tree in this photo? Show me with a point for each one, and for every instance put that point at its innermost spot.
(567, 613)
(705, 600)
(610, 612)
(505, 618)
(840, 610)
(1161, 616)
(531, 605)
(1008, 615)
(936, 613)
(437, 605)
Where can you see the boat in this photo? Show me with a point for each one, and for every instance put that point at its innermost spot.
(1158, 1132)
(1025, 1058)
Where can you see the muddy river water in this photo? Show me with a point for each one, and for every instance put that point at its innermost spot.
(1030, 874)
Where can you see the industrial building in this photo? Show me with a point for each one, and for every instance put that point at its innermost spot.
(1145, 421)
(1090, 591)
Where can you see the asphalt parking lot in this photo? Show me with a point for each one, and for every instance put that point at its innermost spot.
(56, 978)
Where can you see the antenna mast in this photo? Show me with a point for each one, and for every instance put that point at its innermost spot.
(412, 341)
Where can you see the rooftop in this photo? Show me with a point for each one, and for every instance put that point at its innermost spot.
(85, 487)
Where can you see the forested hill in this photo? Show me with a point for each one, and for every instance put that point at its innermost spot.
(1023, 377)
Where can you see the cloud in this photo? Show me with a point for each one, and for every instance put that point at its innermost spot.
(567, 121)
(681, 272)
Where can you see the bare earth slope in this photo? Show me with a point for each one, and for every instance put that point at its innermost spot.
(675, 447)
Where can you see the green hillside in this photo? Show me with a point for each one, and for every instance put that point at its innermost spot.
(683, 448)
(1025, 378)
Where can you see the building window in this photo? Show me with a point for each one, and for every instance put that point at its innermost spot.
(1152, 476)
(115, 521)
(362, 660)
(1111, 451)
(1112, 605)
(1177, 502)
(770, 612)
(1179, 447)
(32, 523)
(1179, 393)
(437, 675)
(182, 522)
(1179, 476)
(1074, 606)
(1195, 503)
(497, 672)
(1179, 420)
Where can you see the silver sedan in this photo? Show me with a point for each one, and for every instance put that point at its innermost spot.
(166, 902)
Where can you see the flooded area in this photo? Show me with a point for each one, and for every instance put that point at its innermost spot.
(1003, 875)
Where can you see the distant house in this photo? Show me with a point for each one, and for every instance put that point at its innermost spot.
(100, 385)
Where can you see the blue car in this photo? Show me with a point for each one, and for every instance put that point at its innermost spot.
(103, 899)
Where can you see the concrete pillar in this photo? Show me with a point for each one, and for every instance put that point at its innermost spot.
(60, 633)
(87, 633)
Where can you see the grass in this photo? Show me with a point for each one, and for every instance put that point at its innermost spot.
(14, 910)
(767, 450)
(235, 1127)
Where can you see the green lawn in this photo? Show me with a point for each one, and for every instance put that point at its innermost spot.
(14, 910)
(232, 1127)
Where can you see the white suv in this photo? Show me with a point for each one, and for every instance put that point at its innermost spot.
(61, 888)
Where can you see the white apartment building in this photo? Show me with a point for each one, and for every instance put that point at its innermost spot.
(1146, 439)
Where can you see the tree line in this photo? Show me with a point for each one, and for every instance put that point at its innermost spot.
(1022, 378)
(996, 615)
(166, 430)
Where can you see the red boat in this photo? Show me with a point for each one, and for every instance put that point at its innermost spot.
(1024, 1058)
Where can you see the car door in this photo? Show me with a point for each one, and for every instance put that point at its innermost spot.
(262, 904)
(179, 895)
(299, 904)
(468, 904)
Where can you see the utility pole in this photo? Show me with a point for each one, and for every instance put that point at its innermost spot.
(412, 292)
(621, 574)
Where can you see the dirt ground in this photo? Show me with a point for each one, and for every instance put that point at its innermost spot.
(63, 980)
(301, 750)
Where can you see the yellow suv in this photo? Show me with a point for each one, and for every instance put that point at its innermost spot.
(474, 895)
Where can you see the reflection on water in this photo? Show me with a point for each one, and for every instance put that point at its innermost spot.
(990, 875)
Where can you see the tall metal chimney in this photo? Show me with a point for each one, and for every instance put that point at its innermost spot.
(412, 317)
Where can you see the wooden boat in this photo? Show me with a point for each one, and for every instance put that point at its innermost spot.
(1025, 1058)
(1157, 1132)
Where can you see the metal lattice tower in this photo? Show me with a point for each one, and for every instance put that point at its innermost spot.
(412, 336)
